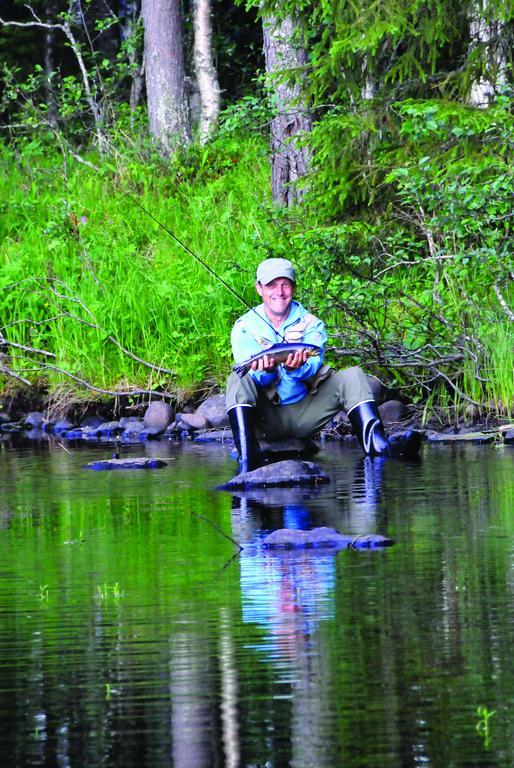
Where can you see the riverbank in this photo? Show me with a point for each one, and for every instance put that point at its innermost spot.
(125, 422)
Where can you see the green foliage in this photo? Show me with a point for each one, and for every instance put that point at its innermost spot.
(82, 264)
(403, 244)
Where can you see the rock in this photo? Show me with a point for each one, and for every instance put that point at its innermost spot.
(323, 538)
(92, 421)
(214, 410)
(464, 437)
(10, 426)
(63, 425)
(392, 411)
(508, 436)
(35, 434)
(126, 421)
(76, 433)
(130, 463)
(215, 436)
(108, 428)
(158, 414)
(34, 419)
(281, 473)
(150, 433)
(193, 420)
(132, 429)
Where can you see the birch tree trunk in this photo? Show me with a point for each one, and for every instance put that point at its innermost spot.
(289, 160)
(206, 74)
(49, 65)
(486, 31)
(168, 111)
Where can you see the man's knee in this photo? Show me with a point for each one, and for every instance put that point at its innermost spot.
(353, 387)
(240, 391)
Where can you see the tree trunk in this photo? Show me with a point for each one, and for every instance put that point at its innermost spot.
(206, 74)
(49, 64)
(486, 31)
(289, 160)
(168, 111)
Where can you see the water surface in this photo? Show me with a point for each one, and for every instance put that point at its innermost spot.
(135, 632)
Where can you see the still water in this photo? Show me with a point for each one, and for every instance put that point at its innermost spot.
(135, 632)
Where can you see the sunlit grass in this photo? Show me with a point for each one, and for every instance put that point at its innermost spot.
(83, 263)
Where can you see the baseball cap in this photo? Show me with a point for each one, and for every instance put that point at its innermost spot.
(270, 269)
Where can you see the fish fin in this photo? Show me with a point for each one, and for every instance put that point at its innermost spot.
(240, 369)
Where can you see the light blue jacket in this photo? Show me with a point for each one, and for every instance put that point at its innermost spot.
(253, 332)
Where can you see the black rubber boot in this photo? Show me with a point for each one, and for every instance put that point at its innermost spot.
(367, 425)
(241, 423)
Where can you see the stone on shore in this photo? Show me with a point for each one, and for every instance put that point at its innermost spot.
(463, 437)
(214, 410)
(158, 415)
(281, 473)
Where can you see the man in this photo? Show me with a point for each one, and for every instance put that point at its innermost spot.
(300, 396)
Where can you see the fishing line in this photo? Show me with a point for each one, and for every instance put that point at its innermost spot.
(200, 261)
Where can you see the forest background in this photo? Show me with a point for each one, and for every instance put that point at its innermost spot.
(371, 143)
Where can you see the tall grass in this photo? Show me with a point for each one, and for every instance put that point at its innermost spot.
(81, 263)
(87, 276)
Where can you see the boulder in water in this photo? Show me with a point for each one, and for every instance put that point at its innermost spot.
(281, 473)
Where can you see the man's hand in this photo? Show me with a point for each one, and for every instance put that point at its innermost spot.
(296, 360)
(264, 363)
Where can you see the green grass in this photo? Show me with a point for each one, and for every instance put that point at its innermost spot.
(81, 263)
(85, 275)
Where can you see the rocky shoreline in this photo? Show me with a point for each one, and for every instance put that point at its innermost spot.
(208, 423)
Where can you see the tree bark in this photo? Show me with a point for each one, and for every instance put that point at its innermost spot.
(49, 64)
(486, 31)
(206, 74)
(168, 111)
(289, 160)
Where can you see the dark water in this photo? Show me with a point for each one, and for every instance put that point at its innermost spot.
(134, 633)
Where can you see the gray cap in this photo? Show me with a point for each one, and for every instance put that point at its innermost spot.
(270, 269)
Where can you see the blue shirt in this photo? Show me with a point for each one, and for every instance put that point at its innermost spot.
(253, 333)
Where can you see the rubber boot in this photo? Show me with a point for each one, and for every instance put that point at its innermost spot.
(367, 425)
(241, 423)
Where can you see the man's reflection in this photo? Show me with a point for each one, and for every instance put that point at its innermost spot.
(291, 593)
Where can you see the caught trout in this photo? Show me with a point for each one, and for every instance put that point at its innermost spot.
(279, 353)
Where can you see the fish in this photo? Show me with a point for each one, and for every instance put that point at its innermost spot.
(279, 352)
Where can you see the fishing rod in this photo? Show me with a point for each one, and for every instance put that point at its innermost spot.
(201, 261)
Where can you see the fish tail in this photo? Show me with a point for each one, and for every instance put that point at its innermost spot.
(240, 369)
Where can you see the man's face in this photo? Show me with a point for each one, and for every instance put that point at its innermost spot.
(276, 296)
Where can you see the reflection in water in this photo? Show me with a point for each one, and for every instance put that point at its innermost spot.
(291, 593)
(191, 703)
(203, 656)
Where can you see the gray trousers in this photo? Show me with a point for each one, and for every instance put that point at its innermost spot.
(341, 391)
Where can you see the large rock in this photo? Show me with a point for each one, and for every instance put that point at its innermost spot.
(323, 538)
(392, 412)
(214, 410)
(280, 473)
(158, 415)
(191, 421)
(34, 419)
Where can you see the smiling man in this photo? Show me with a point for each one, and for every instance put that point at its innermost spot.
(298, 397)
